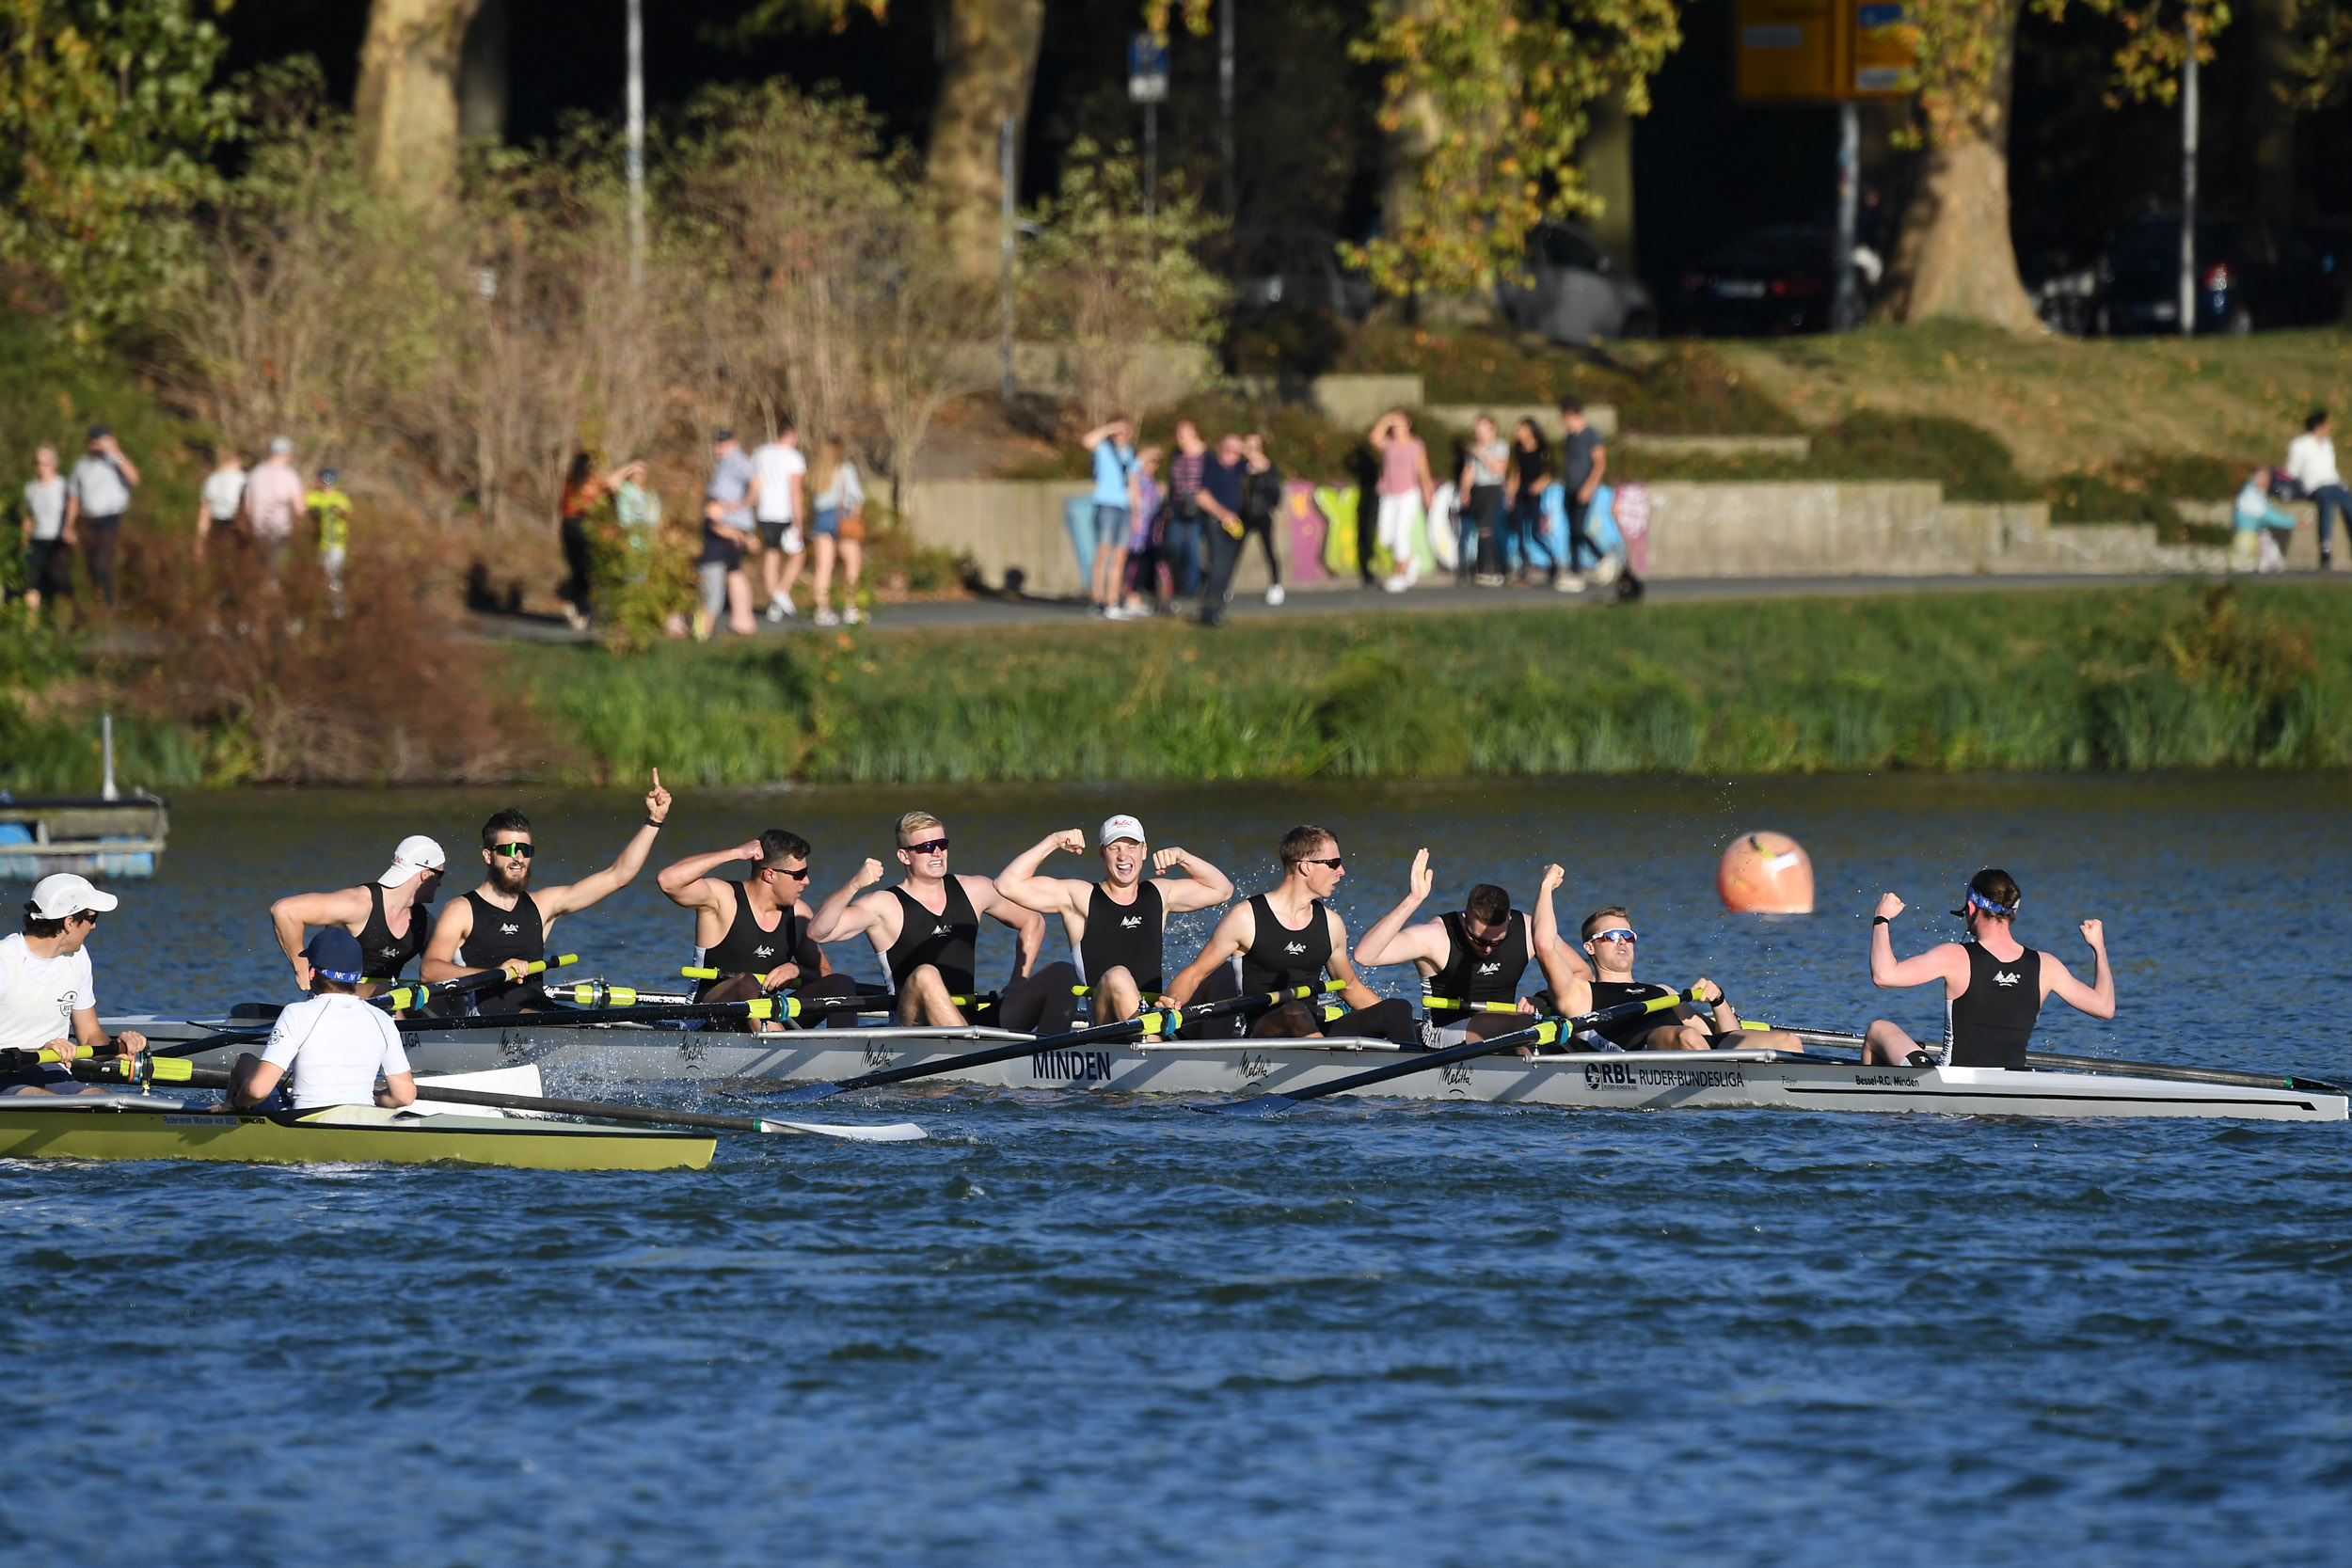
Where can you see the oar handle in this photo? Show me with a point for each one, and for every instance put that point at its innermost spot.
(596, 993)
(1458, 1004)
(408, 998)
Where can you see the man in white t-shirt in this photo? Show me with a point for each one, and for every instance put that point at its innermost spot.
(274, 501)
(222, 500)
(97, 493)
(782, 501)
(2312, 464)
(334, 1045)
(47, 539)
(48, 1000)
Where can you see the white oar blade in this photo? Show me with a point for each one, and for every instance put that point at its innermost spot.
(896, 1132)
(522, 1081)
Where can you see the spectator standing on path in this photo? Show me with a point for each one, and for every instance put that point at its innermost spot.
(221, 501)
(273, 499)
(1485, 467)
(1180, 538)
(1221, 497)
(1112, 447)
(728, 530)
(1531, 476)
(2312, 464)
(1261, 502)
(838, 522)
(95, 500)
(1407, 493)
(47, 539)
(783, 471)
(1583, 462)
(1143, 550)
(330, 512)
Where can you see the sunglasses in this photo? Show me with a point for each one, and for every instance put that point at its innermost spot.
(1620, 934)
(798, 873)
(517, 850)
(1484, 944)
(929, 846)
(1335, 863)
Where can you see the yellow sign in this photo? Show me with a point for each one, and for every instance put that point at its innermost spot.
(1820, 51)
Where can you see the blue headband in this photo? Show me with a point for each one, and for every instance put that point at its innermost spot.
(338, 975)
(1979, 901)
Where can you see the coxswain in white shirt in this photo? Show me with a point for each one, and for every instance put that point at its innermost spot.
(48, 1001)
(330, 1050)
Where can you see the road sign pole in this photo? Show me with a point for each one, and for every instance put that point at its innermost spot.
(2188, 186)
(1845, 312)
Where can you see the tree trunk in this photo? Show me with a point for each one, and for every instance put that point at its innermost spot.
(406, 105)
(2270, 118)
(1954, 258)
(992, 48)
(1606, 157)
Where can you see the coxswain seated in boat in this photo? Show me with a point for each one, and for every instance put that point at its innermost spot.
(45, 978)
(1471, 962)
(1993, 985)
(505, 923)
(1287, 937)
(392, 916)
(1608, 940)
(755, 933)
(1117, 927)
(329, 1051)
(926, 930)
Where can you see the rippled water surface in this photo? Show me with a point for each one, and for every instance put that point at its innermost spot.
(1086, 1330)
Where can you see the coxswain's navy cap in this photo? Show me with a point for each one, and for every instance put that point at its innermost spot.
(335, 954)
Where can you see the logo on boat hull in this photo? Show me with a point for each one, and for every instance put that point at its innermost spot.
(1632, 1075)
(1072, 1066)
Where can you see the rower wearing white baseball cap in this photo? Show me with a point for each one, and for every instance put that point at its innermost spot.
(48, 1000)
(388, 915)
(1116, 926)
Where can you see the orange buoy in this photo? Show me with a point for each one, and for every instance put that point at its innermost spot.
(1766, 873)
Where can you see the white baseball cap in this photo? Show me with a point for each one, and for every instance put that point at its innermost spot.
(415, 853)
(1121, 826)
(55, 898)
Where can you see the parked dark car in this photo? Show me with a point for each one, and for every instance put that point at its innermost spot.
(1295, 269)
(1571, 290)
(1774, 281)
(2248, 275)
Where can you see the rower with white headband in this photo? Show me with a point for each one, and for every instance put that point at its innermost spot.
(1993, 985)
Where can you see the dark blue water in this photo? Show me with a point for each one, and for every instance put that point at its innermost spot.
(1072, 1330)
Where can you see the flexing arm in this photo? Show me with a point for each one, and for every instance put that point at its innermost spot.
(689, 884)
(1021, 883)
(1565, 968)
(597, 886)
(2098, 998)
(1233, 934)
(1352, 990)
(1944, 962)
(1203, 886)
(1390, 941)
(290, 914)
(842, 914)
(1028, 926)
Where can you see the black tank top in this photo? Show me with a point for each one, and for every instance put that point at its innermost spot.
(1616, 994)
(499, 935)
(946, 940)
(1124, 936)
(1989, 1024)
(1279, 957)
(385, 955)
(1470, 976)
(746, 949)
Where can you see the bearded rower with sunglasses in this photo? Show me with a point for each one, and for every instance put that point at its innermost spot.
(1610, 938)
(1291, 937)
(926, 932)
(505, 923)
(1479, 956)
(755, 933)
(1118, 925)
(1993, 985)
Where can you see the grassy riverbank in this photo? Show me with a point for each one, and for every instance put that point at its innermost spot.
(2177, 676)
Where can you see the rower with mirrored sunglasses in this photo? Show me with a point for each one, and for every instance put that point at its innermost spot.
(755, 933)
(1472, 961)
(1609, 941)
(503, 924)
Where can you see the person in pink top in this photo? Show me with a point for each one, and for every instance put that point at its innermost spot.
(1406, 492)
(274, 501)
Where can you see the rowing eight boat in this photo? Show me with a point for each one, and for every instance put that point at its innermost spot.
(1640, 1081)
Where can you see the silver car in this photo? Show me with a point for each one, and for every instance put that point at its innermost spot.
(1572, 291)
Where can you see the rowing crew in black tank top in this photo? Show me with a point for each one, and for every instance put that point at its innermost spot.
(1287, 937)
(1117, 925)
(1993, 985)
(755, 933)
(404, 893)
(1472, 961)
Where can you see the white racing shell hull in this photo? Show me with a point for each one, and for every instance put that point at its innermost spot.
(1648, 1081)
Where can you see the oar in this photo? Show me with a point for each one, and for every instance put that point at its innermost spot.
(1545, 1033)
(2060, 1063)
(417, 994)
(1153, 1021)
(758, 1006)
(173, 1070)
(1461, 1007)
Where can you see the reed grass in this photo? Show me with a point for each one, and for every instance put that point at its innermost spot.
(2180, 677)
